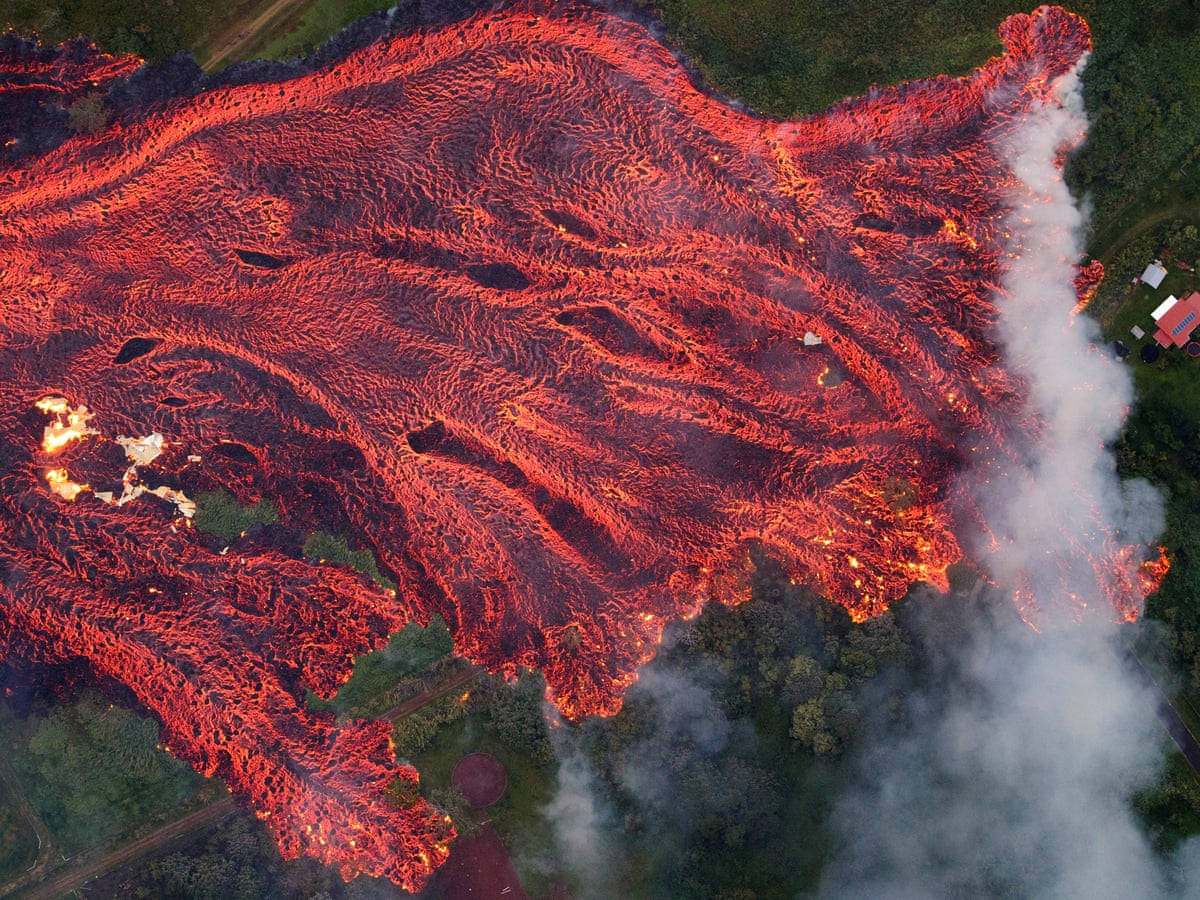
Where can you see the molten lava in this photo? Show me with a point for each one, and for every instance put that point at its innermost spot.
(515, 304)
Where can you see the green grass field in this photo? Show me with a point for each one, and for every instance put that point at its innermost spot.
(517, 816)
(316, 21)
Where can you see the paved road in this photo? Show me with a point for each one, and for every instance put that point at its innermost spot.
(75, 877)
(1187, 743)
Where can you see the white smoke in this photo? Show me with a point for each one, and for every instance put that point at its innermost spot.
(1015, 777)
(579, 816)
(1055, 511)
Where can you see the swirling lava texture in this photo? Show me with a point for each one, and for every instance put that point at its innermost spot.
(519, 307)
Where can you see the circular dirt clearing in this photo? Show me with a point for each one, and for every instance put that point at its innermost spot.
(481, 778)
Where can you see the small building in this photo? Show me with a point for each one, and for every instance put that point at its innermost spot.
(1154, 274)
(1176, 320)
(1137, 332)
(1161, 309)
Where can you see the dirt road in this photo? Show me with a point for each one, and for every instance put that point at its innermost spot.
(36, 825)
(229, 46)
(410, 706)
(73, 878)
(76, 876)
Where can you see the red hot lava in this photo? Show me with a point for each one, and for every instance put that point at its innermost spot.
(519, 307)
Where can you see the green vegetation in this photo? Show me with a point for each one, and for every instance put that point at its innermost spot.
(790, 58)
(451, 801)
(222, 516)
(707, 773)
(372, 686)
(327, 548)
(1139, 169)
(780, 682)
(1142, 91)
(1171, 812)
(18, 842)
(312, 26)
(95, 772)
(237, 860)
(1142, 87)
(515, 713)
(412, 733)
(153, 29)
(507, 721)
(1160, 440)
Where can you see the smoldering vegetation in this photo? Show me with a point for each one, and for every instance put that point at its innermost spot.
(715, 778)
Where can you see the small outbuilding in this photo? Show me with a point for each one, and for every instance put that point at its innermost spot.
(1154, 274)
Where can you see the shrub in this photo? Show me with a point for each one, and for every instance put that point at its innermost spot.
(222, 516)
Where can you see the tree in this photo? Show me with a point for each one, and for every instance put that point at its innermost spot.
(515, 713)
(114, 752)
(805, 680)
(809, 726)
(413, 733)
(328, 548)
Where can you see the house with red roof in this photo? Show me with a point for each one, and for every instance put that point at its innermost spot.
(1177, 319)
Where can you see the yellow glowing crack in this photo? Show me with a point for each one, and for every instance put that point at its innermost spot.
(68, 424)
(71, 425)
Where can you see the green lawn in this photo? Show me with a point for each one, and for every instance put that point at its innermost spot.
(1134, 303)
(319, 19)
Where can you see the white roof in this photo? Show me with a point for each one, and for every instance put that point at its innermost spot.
(1154, 275)
(1163, 308)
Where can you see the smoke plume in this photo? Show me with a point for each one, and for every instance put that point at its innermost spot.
(579, 815)
(1013, 774)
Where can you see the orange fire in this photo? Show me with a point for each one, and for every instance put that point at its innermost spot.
(522, 309)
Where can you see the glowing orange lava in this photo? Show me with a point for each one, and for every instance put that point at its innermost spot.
(516, 305)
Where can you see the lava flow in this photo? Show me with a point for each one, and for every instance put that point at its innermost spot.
(515, 304)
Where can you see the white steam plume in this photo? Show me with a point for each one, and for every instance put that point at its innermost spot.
(1014, 778)
(580, 816)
